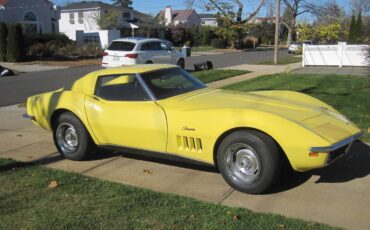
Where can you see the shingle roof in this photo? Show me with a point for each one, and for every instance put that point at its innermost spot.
(178, 14)
(87, 5)
(207, 15)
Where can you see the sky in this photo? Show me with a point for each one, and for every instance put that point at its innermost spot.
(154, 6)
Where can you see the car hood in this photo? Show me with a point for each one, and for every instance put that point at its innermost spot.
(296, 107)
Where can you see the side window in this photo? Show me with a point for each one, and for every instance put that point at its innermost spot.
(164, 46)
(147, 46)
(120, 88)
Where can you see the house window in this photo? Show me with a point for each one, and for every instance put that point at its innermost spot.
(30, 16)
(72, 18)
(126, 15)
(80, 17)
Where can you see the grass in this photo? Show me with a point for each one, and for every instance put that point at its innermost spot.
(348, 94)
(198, 48)
(282, 61)
(217, 74)
(81, 202)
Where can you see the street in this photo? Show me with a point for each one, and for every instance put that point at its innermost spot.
(14, 90)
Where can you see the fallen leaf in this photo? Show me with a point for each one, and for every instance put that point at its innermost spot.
(281, 225)
(148, 171)
(235, 218)
(53, 184)
(19, 135)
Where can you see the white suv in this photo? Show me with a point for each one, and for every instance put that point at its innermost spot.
(132, 51)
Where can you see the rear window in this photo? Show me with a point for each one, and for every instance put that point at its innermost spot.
(121, 46)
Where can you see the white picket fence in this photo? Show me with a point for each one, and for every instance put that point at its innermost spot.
(335, 55)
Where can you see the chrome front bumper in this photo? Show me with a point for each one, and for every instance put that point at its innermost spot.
(340, 144)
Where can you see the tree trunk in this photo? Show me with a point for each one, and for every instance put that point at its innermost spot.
(289, 38)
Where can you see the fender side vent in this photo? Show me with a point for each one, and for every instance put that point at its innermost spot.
(189, 143)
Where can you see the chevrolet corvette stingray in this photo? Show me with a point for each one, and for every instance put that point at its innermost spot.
(162, 109)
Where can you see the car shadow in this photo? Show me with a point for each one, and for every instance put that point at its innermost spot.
(350, 167)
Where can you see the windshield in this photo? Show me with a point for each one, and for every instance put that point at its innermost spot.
(171, 82)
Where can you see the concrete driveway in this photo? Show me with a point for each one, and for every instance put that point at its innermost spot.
(337, 195)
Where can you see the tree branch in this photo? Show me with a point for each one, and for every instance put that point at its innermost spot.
(255, 12)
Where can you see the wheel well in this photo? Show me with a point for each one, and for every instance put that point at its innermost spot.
(56, 114)
(225, 134)
(149, 62)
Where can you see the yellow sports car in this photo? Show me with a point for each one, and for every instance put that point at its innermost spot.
(163, 109)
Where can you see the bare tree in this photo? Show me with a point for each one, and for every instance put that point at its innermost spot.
(293, 9)
(226, 9)
(189, 4)
(360, 6)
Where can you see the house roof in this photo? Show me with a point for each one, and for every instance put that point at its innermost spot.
(87, 5)
(207, 16)
(179, 14)
(3, 2)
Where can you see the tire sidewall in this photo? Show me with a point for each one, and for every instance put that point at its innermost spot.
(267, 154)
(84, 143)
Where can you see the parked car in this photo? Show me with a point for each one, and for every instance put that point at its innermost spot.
(162, 109)
(294, 47)
(133, 51)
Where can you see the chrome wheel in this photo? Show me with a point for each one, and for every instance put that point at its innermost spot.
(67, 138)
(243, 164)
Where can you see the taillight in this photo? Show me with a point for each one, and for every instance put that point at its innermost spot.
(133, 56)
(104, 54)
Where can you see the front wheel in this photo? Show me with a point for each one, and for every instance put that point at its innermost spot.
(181, 63)
(71, 137)
(249, 161)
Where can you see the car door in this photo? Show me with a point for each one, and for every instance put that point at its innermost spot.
(166, 54)
(121, 113)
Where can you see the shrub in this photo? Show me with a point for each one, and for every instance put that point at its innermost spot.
(218, 43)
(249, 43)
(15, 45)
(3, 35)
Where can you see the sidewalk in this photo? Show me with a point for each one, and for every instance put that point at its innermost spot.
(256, 71)
(337, 195)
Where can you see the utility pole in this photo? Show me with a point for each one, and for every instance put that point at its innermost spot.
(277, 27)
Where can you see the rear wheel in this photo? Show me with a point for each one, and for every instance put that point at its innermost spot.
(249, 161)
(71, 137)
(181, 63)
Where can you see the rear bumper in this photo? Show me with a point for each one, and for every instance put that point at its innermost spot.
(32, 118)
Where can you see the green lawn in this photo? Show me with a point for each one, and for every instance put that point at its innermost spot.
(81, 202)
(217, 74)
(282, 61)
(348, 94)
(198, 48)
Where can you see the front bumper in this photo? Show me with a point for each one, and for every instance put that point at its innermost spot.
(338, 149)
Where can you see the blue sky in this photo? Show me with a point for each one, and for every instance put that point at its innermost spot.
(154, 6)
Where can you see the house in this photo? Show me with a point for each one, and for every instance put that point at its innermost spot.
(187, 18)
(38, 16)
(80, 21)
(209, 20)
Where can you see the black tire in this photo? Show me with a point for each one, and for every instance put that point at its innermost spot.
(249, 148)
(66, 128)
(181, 63)
(149, 62)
